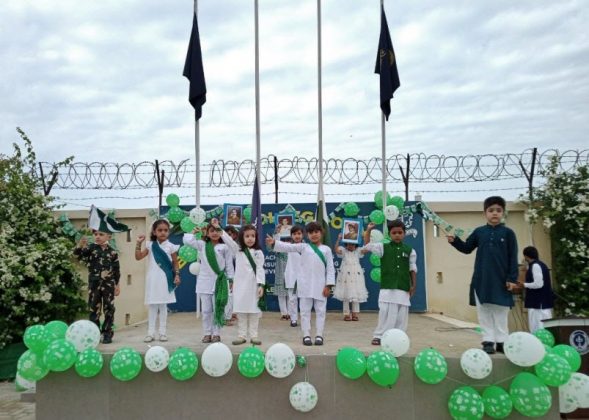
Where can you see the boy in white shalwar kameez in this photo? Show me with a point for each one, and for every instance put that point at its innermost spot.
(207, 279)
(292, 274)
(316, 279)
(248, 282)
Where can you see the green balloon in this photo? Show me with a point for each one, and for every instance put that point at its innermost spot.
(172, 200)
(247, 214)
(553, 370)
(126, 364)
(545, 336)
(378, 200)
(251, 362)
(569, 354)
(188, 253)
(31, 367)
(375, 274)
(466, 404)
(183, 364)
(383, 368)
(351, 362)
(377, 217)
(351, 209)
(301, 361)
(89, 363)
(187, 225)
(37, 338)
(398, 202)
(529, 395)
(497, 402)
(60, 355)
(175, 214)
(430, 366)
(56, 329)
(375, 260)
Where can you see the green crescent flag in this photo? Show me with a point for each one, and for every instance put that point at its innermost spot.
(98, 220)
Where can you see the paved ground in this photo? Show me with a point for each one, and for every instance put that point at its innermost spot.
(450, 337)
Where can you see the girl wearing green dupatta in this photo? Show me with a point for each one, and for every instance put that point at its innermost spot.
(212, 283)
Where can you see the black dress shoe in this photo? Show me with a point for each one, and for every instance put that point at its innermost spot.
(489, 347)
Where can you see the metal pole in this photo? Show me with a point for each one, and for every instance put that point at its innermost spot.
(196, 143)
(384, 167)
(275, 179)
(257, 77)
(319, 98)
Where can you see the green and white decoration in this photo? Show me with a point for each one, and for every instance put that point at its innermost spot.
(497, 402)
(395, 341)
(125, 364)
(216, 360)
(524, 349)
(430, 366)
(465, 403)
(280, 360)
(476, 364)
(156, 358)
(83, 335)
(303, 397)
(183, 364)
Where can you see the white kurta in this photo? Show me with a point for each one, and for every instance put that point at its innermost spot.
(314, 275)
(245, 281)
(292, 271)
(206, 279)
(156, 283)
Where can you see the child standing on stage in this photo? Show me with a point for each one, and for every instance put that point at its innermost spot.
(212, 283)
(398, 270)
(316, 280)
(280, 290)
(229, 313)
(292, 274)
(103, 279)
(350, 287)
(495, 268)
(162, 276)
(248, 282)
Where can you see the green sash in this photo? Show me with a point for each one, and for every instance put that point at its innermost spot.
(248, 254)
(221, 289)
(319, 253)
(163, 261)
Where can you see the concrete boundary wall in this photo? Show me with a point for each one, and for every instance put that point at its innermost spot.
(158, 396)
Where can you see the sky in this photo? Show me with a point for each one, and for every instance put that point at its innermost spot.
(102, 81)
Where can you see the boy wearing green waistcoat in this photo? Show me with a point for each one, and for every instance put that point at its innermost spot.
(398, 270)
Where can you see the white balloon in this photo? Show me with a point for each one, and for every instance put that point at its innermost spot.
(303, 397)
(391, 212)
(194, 268)
(83, 335)
(216, 360)
(476, 364)
(395, 341)
(524, 349)
(197, 215)
(280, 360)
(376, 236)
(567, 403)
(157, 358)
(577, 388)
(24, 384)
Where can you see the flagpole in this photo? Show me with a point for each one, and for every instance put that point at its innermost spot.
(384, 157)
(319, 98)
(197, 143)
(257, 83)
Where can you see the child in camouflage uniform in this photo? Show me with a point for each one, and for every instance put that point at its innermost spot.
(103, 279)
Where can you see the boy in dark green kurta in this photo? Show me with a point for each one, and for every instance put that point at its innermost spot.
(495, 266)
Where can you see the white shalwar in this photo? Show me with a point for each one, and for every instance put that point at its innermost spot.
(393, 304)
(536, 316)
(206, 280)
(314, 276)
(157, 295)
(493, 321)
(291, 275)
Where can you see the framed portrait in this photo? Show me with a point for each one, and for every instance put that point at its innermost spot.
(232, 215)
(284, 221)
(352, 231)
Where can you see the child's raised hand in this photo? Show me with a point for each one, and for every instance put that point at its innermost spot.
(215, 223)
(370, 226)
(339, 237)
(195, 230)
(140, 239)
(269, 240)
(83, 242)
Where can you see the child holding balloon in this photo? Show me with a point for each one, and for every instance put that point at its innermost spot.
(398, 278)
(350, 287)
(162, 277)
(248, 282)
(212, 285)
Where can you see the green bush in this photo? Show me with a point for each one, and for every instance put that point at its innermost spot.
(562, 204)
(38, 281)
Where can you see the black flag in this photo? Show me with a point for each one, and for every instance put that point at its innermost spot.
(194, 72)
(386, 66)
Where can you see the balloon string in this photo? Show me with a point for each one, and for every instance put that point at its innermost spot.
(458, 381)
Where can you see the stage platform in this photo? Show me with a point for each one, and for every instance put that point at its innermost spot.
(157, 396)
(451, 338)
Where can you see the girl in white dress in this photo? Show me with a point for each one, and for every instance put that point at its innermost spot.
(162, 276)
(350, 287)
(248, 282)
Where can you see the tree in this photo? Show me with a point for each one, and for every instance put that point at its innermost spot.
(38, 280)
